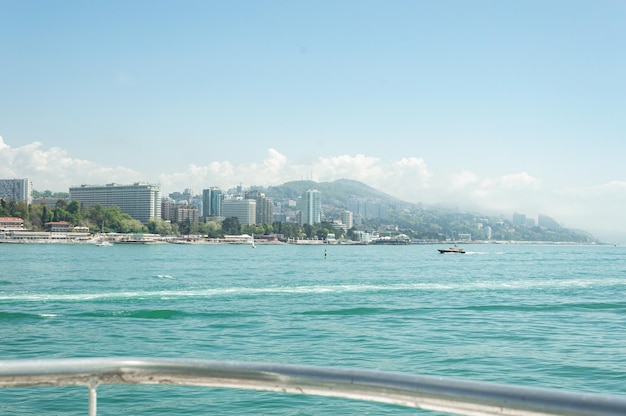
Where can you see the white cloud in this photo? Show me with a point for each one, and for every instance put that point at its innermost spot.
(519, 181)
(597, 208)
(53, 169)
(463, 179)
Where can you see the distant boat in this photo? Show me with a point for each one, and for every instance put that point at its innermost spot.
(454, 249)
(253, 245)
(103, 244)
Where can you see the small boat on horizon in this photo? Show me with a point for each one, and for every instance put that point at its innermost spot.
(454, 249)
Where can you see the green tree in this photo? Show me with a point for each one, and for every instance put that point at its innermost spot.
(214, 229)
(74, 211)
(231, 226)
(159, 226)
(18, 209)
(127, 224)
(288, 229)
(45, 216)
(96, 217)
(185, 227)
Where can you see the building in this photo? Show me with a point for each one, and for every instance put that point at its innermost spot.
(140, 201)
(186, 212)
(519, 219)
(11, 223)
(368, 209)
(347, 219)
(212, 202)
(311, 207)
(186, 195)
(168, 209)
(58, 226)
(48, 202)
(243, 209)
(264, 209)
(179, 211)
(16, 190)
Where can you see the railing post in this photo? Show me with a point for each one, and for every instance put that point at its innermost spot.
(93, 400)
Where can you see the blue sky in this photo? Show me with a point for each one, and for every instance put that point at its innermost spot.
(485, 105)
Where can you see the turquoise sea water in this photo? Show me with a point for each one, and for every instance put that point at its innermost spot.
(549, 316)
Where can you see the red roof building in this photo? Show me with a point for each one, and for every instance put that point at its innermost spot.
(11, 223)
(58, 226)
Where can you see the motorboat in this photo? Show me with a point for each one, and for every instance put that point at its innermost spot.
(454, 249)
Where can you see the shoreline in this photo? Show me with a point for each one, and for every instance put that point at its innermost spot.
(99, 241)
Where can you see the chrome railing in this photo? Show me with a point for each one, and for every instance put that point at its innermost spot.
(425, 392)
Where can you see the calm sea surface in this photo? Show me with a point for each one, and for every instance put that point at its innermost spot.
(550, 316)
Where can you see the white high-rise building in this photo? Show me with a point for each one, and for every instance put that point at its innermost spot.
(16, 190)
(311, 209)
(243, 209)
(140, 201)
(346, 219)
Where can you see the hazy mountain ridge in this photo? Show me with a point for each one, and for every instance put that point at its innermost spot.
(333, 193)
(426, 220)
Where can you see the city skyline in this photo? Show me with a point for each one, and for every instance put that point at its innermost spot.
(488, 106)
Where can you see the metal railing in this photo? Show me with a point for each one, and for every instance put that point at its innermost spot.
(452, 396)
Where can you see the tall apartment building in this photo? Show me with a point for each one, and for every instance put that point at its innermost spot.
(311, 208)
(367, 208)
(264, 209)
(186, 212)
(16, 190)
(243, 209)
(140, 201)
(168, 209)
(346, 219)
(212, 202)
(519, 219)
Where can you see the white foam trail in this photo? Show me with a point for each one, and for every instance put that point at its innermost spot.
(478, 285)
(165, 276)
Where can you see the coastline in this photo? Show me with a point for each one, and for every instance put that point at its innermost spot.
(25, 237)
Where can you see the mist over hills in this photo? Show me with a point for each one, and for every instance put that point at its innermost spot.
(428, 221)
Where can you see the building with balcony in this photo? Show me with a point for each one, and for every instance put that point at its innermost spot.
(58, 226)
(264, 209)
(11, 224)
(140, 201)
(243, 209)
(16, 190)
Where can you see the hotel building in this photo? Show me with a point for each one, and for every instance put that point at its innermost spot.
(140, 201)
(16, 190)
(243, 209)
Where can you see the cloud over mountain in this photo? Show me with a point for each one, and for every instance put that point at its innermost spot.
(596, 208)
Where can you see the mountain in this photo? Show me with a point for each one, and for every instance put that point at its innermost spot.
(335, 195)
(424, 222)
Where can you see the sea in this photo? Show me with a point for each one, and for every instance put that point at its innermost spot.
(535, 315)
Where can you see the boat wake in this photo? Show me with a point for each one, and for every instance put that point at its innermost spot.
(475, 285)
(166, 276)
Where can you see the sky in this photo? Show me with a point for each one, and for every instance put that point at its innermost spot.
(486, 106)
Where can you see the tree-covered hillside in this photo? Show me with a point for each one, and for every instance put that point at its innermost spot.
(422, 222)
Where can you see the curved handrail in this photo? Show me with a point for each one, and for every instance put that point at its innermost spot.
(426, 392)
